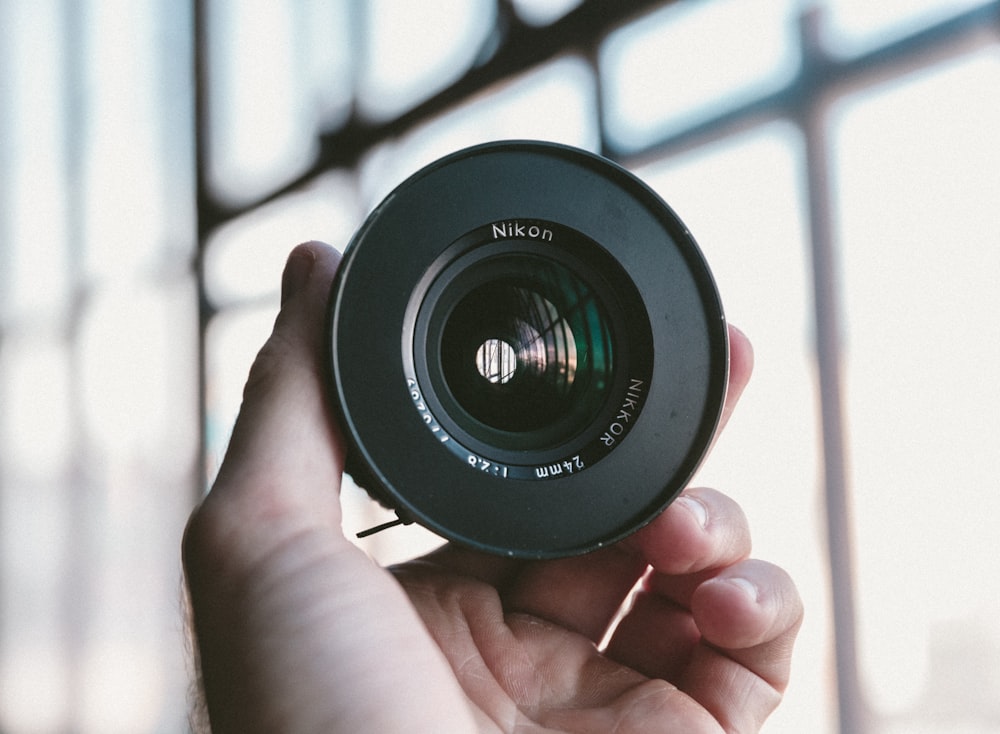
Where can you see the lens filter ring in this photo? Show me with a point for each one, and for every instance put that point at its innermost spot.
(577, 341)
(527, 351)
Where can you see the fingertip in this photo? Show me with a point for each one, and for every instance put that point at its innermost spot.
(741, 360)
(305, 287)
(677, 541)
(729, 612)
(747, 605)
(748, 616)
(702, 529)
(301, 264)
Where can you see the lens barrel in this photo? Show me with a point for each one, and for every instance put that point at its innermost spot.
(528, 354)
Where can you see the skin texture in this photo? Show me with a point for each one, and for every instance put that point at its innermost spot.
(297, 630)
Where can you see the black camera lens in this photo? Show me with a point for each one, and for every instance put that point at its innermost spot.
(527, 351)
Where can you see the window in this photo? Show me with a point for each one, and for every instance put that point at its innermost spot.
(835, 159)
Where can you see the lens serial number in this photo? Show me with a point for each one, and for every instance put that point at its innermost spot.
(425, 413)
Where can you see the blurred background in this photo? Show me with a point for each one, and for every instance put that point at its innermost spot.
(838, 161)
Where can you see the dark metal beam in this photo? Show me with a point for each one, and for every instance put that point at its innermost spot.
(520, 48)
(851, 706)
(206, 219)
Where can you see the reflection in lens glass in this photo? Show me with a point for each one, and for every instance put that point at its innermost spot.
(528, 352)
(496, 361)
(539, 341)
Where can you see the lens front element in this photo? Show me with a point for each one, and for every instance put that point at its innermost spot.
(519, 348)
(529, 352)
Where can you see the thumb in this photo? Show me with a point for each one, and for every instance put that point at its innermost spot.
(285, 457)
(296, 628)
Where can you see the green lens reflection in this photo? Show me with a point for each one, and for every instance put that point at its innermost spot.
(529, 353)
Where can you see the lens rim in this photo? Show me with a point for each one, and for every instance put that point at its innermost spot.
(394, 449)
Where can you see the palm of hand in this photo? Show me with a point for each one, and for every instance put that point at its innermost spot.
(522, 673)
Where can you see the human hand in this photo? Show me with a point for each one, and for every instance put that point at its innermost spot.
(298, 631)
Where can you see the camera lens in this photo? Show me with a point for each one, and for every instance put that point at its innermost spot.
(527, 351)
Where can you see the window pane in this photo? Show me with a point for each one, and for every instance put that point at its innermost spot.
(556, 102)
(137, 370)
(137, 378)
(742, 201)
(411, 50)
(36, 661)
(543, 12)
(33, 252)
(855, 26)
(136, 159)
(244, 259)
(918, 177)
(323, 39)
(36, 431)
(693, 60)
(263, 114)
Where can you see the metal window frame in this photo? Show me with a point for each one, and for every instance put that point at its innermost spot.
(803, 101)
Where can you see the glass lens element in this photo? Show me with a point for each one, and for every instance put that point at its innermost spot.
(530, 351)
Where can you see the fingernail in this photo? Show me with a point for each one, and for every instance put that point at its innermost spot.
(696, 508)
(297, 269)
(738, 331)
